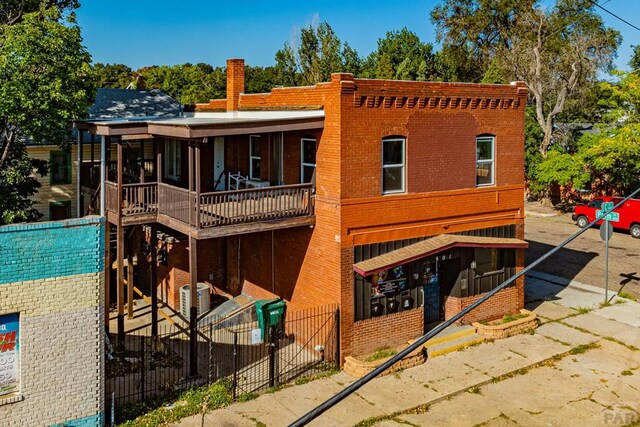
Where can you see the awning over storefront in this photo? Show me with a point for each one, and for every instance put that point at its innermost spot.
(432, 246)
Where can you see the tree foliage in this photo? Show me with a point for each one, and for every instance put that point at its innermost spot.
(473, 32)
(401, 55)
(114, 76)
(45, 81)
(557, 52)
(312, 56)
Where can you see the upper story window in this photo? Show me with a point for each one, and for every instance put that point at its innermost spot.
(60, 167)
(308, 159)
(485, 160)
(393, 160)
(254, 157)
(172, 159)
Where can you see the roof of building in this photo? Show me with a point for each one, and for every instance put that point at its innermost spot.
(431, 246)
(122, 103)
(212, 124)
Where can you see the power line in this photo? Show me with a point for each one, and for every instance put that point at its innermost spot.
(614, 15)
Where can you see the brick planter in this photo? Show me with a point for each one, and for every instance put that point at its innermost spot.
(504, 330)
(359, 368)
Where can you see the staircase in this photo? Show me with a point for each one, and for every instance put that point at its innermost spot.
(452, 339)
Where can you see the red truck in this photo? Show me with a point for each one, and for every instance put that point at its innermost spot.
(629, 214)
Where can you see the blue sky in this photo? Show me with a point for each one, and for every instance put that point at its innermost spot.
(144, 32)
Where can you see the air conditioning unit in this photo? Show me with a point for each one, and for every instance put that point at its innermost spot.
(204, 299)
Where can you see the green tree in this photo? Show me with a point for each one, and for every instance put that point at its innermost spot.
(472, 32)
(557, 52)
(314, 56)
(115, 76)
(401, 55)
(46, 80)
(635, 58)
(187, 83)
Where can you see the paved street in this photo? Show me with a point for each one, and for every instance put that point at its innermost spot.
(583, 259)
(580, 367)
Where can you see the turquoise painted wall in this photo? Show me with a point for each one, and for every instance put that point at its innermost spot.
(51, 249)
(93, 421)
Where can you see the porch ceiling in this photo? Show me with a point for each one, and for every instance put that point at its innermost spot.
(432, 246)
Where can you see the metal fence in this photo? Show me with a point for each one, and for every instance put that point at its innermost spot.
(306, 344)
(146, 368)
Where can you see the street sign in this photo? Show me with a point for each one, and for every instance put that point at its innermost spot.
(611, 216)
(606, 231)
(607, 206)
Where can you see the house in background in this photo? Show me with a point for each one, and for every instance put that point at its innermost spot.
(402, 202)
(61, 195)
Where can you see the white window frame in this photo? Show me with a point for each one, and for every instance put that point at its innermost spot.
(492, 161)
(252, 157)
(302, 163)
(395, 166)
(172, 157)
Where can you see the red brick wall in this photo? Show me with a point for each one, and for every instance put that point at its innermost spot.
(386, 331)
(440, 122)
(235, 83)
(211, 260)
(509, 300)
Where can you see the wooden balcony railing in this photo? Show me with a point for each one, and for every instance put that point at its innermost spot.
(136, 198)
(250, 205)
(111, 196)
(177, 203)
(216, 208)
(139, 198)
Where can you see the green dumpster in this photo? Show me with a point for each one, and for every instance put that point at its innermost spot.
(270, 312)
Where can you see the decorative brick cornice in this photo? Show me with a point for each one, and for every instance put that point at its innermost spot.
(434, 102)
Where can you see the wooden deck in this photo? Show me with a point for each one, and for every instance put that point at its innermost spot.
(214, 214)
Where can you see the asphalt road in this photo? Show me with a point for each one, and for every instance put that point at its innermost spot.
(583, 259)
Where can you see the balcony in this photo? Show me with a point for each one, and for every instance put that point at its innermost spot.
(214, 214)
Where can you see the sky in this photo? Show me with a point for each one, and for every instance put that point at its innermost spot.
(161, 32)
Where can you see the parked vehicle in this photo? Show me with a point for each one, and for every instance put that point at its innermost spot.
(629, 214)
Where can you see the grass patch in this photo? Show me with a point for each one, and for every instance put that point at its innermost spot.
(381, 353)
(582, 348)
(627, 372)
(624, 344)
(507, 318)
(605, 304)
(329, 372)
(187, 403)
(628, 296)
(474, 390)
(584, 310)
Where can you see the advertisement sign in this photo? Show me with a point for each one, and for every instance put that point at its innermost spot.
(9, 353)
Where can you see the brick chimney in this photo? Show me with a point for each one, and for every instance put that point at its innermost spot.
(235, 83)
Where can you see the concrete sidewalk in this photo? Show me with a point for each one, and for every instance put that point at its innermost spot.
(491, 383)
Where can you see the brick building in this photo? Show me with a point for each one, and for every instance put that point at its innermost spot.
(400, 201)
(51, 323)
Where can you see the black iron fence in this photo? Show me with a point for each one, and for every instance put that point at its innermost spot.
(305, 344)
(146, 368)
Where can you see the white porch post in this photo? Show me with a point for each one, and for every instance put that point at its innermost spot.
(103, 174)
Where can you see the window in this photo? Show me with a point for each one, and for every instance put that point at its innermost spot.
(172, 159)
(254, 157)
(308, 156)
(59, 210)
(60, 162)
(487, 260)
(393, 165)
(484, 160)
(597, 203)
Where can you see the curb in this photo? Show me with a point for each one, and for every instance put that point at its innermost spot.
(540, 214)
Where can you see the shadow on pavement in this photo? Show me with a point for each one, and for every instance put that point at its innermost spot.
(566, 264)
